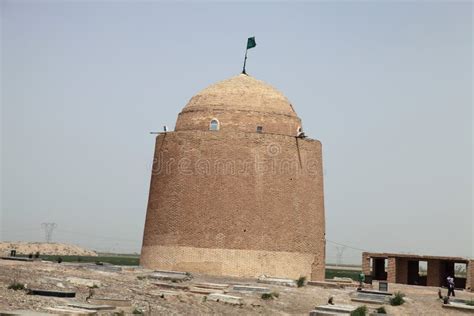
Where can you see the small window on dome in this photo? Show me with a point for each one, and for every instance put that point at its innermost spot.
(214, 126)
(259, 129)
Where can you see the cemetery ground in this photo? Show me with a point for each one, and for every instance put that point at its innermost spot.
(347, 271)
(144, 291)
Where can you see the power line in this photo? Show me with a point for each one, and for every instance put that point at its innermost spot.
(347, 246)
(98, 236)
(28, 230)
(15, 229)
(19, 232)
(81, 234)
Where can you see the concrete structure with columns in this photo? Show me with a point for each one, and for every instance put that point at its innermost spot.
(405, 269)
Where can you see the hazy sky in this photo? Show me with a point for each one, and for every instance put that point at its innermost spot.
(386, 87)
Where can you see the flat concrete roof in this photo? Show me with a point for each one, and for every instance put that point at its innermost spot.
(412, 256)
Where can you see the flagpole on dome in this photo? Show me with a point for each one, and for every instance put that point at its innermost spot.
(250, 44)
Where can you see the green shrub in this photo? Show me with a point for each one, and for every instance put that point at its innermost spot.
(359, 311)
(301, 281)
(381, 310)
(267, 296)
(137, 311)
(331, 273)
(270, 296)
(470, 303)
(397, 299)
(16, 286)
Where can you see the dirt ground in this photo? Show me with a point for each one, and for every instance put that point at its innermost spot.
(130, 284)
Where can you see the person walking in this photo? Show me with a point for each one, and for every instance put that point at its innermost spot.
(450, 281)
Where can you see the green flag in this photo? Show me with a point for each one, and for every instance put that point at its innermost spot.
(251, 42)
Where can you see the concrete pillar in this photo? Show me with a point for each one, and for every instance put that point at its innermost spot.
(433, 274)
(365, 263)
(392, 270)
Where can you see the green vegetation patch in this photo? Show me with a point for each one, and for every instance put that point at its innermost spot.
(353, 274)
(270, 296)
(301, 281)
(16, 286)
(117, 260)
(397, 299)
(359, 311)
(381, 310)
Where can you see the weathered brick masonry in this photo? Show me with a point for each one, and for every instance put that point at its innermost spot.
(234, 201)
(470, 276)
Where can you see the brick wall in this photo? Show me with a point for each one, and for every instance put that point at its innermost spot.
(365, 263)
(402, 270)
(238, 121)
(397, 270)
(238, 202)
(433, 274)
(392, 270)
(470, 275)
(232, 262)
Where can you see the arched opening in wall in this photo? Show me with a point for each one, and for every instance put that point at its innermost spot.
(214, 125)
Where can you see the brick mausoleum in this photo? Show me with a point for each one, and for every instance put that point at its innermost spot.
(237, 189)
